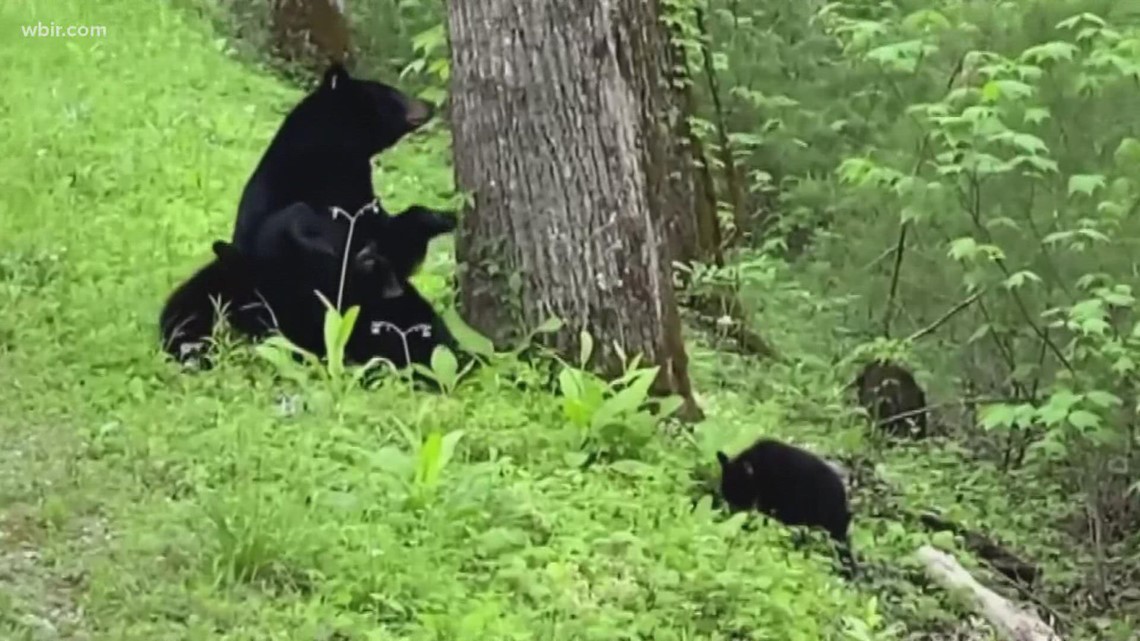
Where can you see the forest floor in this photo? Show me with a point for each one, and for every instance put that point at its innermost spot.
(138, 502)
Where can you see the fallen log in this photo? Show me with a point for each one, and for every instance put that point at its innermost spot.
(1007, 563)
(1008, 620)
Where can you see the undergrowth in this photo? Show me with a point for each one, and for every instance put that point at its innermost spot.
(141, 502)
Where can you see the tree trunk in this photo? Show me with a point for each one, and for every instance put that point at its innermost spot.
(312, 32)
(560, 132)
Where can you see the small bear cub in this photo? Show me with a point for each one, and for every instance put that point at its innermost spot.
(790, 485)
(893, 399)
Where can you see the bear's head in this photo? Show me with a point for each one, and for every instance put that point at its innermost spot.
(737, 481)
(368, 114)
(403, 239)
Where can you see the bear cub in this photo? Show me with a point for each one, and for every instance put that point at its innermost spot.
(790, 485)
(887, 390)
(305, 254)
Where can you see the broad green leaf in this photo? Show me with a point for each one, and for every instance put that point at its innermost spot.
(468, 338)
(450, 441)
(549, 326)
(1084, 420)
(1104, 399)
(965, 247)
(1049, 51)
(444, 366)
(1085, 183)
(569, 383)
(427, 459)
(585, 347)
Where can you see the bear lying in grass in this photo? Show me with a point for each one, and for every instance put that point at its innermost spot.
(790, 485)
(259, 296)
(299, 253)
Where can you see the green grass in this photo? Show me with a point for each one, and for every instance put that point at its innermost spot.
(138, 502)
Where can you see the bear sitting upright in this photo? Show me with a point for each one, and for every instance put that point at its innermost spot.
(790, 485)
(322, 153)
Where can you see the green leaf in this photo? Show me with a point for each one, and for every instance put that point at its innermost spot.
(1104, 399)
(444, 366)
(1036, 115)
(628, 399)
(1049, 51)
(1084, 420)
(667, 406)
(549, 326)
(632, 468)
(447, 449)
(427, 459)
(468, 338)
(569, 383)
(1009, 89)
(1018, 279)
(585, 347)
(1085, 183)
(1000, 415)
(1127, 154)
(962, 248)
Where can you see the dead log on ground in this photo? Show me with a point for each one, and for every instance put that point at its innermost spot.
(1007, 563)
(1009, 621)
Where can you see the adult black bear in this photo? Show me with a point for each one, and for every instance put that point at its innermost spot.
(886, 391)
(305, 253)
(321, 155)
(790, 485)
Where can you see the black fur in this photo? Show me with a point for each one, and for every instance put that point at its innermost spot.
(887, 390)
(790, 485)
(385, 324)
(321, 155)
(190, 313)
(306, 255)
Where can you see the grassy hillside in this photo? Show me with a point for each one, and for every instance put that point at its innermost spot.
(137, 502)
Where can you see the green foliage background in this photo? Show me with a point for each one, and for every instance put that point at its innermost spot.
(137, 502)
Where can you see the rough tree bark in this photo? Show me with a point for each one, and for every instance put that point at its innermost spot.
(561, 124)
(312, 32)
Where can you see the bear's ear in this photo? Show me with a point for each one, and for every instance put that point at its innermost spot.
(226, 252)
(722, 458)
(310, 237)
(335, 76)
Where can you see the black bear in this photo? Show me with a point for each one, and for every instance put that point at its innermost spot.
(892, 398)
(190, 312)
(305, 253)
(321, 154)
(790, 485)
(395, 321)
(403, 239)
(402, 329)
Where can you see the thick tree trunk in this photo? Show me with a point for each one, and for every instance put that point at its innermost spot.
(560, 123)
